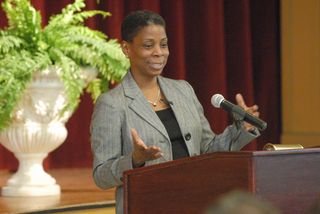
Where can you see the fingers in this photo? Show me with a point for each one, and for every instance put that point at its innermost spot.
(257, 114)
(137, 141)
(135, 135)
(141, 156)
(240, 101)
(153, 153)
(253, 109)
(158, 155)
(141, 152)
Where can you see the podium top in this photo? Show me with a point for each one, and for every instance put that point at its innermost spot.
(222, 155)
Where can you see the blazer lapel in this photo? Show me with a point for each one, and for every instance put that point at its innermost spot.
(174, 99)
(140, 105)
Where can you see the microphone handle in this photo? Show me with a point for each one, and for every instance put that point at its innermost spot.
(232, 108)
(255, 121)
(243, 115)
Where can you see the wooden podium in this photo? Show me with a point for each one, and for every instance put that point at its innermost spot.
(289, 179)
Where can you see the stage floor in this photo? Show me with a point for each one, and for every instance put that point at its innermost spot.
(78, 192)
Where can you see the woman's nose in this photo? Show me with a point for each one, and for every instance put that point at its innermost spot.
(157, 50)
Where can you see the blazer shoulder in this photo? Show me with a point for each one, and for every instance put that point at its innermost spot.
(180, 83)
(180, 86)
(113, 97)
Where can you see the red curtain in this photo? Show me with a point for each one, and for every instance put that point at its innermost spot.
(219, 46)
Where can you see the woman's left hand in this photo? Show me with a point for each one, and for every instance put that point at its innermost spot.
(252, 110)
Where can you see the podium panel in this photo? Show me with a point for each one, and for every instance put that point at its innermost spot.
(288, 179)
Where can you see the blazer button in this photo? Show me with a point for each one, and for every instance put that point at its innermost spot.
(187, 136)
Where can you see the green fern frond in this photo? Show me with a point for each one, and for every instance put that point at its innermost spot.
(70, 75)
(72, 15)
(80, 17)
(73, 19)
(9, 42)
(16, 72)
(105, 56)
(70, 9)
(26, 25)
(94, 88)
(104, 85)
(83, 45)
(62, 33)
(65, 42)
(42, 60)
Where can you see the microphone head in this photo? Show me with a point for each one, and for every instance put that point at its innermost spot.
(216, 100)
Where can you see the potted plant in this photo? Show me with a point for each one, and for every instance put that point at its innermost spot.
(43, 72)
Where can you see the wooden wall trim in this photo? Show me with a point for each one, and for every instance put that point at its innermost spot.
(300, 61)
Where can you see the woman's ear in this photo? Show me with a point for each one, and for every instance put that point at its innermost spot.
(125, 48)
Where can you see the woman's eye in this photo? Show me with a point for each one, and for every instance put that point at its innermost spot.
(147, 46)
(165, 45)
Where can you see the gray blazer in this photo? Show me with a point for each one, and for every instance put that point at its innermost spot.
(125, 107)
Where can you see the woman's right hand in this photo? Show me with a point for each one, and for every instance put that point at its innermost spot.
(141, 152)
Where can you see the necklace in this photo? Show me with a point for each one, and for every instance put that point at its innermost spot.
(155, 103)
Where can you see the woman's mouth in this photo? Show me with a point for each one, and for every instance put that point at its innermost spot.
(156, 66)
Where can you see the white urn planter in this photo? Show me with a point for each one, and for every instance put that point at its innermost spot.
(37, 128)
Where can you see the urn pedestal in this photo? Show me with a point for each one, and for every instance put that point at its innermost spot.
(37, 128)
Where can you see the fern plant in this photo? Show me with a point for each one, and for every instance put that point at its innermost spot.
(26, 47)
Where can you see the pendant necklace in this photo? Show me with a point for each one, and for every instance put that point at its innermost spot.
(155, 103)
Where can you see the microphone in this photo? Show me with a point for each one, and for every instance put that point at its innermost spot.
(218, 101)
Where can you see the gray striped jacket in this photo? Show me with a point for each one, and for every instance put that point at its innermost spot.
(125, 107)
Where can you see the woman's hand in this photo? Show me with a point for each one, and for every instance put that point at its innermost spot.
(141, 152)
(253, 110)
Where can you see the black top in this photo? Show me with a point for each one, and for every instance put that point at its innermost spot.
(179, 148)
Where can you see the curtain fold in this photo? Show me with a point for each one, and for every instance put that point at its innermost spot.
(218, 46)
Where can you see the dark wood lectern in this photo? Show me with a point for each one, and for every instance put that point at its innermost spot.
(290, 179)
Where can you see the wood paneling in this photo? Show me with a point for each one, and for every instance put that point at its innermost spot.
(300, 44)
(189, 185)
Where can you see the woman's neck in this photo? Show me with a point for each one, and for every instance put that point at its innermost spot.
(145, 83)
(151, 90)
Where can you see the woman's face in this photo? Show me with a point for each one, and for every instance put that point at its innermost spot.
(148, 52)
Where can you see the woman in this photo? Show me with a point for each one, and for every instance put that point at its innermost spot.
(149, 119)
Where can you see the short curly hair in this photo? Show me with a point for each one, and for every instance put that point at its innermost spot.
(137, 20)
